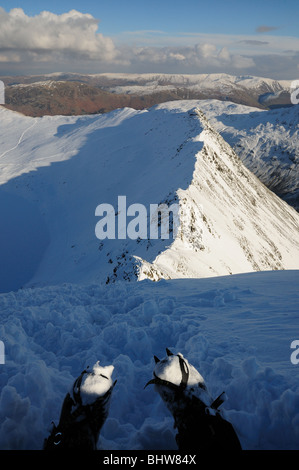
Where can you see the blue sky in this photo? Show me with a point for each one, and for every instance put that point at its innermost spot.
(190, 36)
(174, 16)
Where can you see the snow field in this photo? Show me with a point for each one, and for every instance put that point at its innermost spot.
(236, 330)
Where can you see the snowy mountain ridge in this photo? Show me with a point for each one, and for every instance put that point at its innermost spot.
(220, 81)
(57, 170)
(237, 217)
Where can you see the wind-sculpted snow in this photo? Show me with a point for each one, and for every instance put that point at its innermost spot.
(236, 330)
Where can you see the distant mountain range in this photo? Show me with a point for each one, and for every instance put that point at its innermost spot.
(70, 93)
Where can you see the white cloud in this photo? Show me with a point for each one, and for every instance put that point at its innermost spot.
(47, 35)
(176, 56)
(224, 54)
(205, 50)
(199, 57)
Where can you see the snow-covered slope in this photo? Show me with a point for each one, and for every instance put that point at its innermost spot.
(57, 170)
(66, 167)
